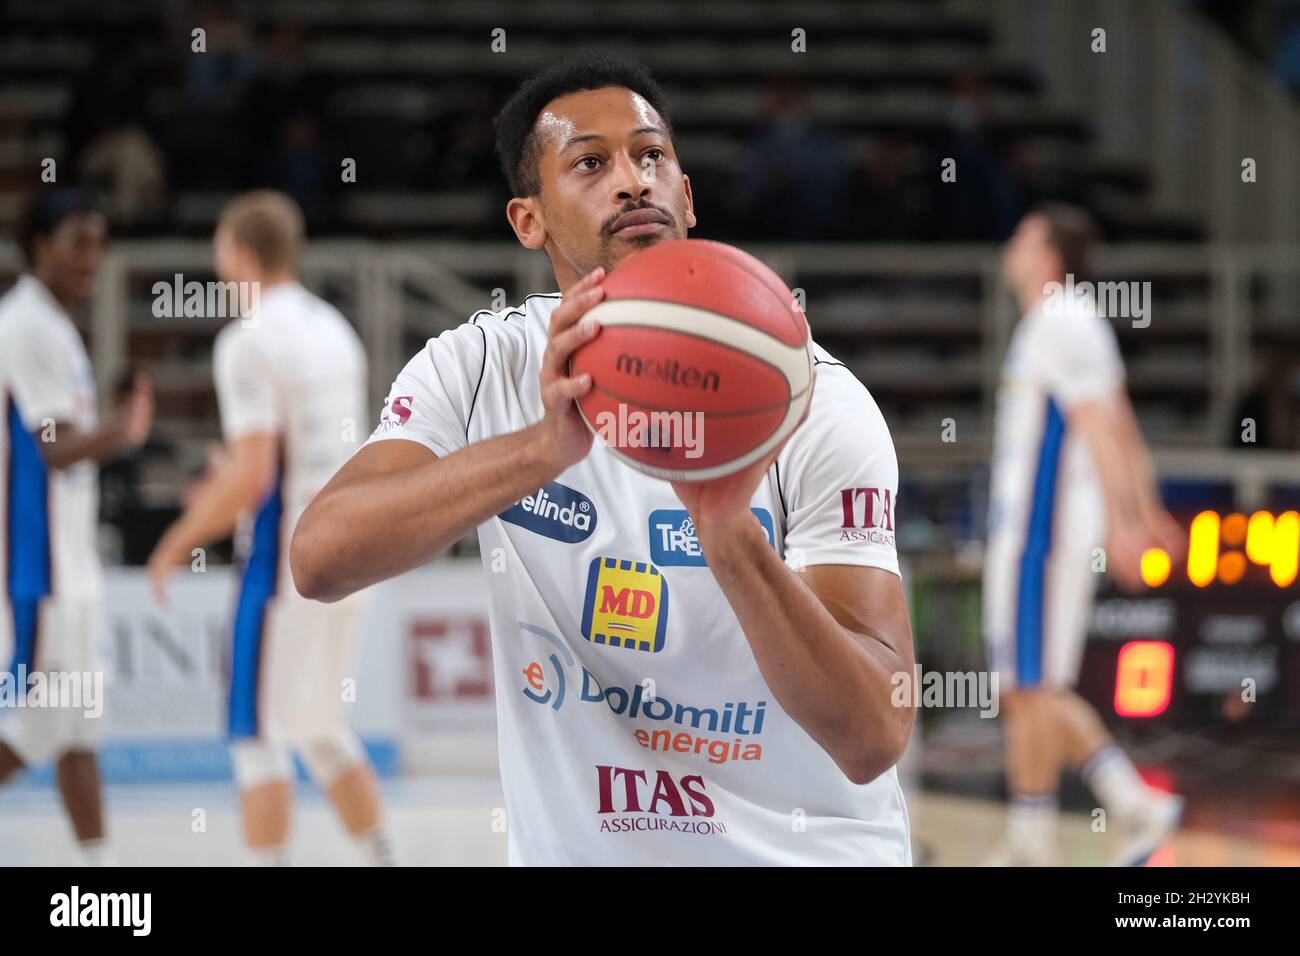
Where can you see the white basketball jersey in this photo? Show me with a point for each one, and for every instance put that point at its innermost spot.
(50, 517)
(1042, 471)
(634, 725)
(294, 368)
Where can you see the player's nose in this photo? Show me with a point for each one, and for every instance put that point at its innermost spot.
(630, 181)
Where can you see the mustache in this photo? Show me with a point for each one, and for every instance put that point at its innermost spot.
(607, 227)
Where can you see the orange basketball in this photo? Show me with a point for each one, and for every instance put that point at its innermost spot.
(703, 363)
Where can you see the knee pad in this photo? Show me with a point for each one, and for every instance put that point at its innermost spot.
(260, 761)
(328, 757)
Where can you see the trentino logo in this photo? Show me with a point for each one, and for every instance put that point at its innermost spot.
(673, 540)
(555, 511)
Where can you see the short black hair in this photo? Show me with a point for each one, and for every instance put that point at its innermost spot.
(1073, 233)
(44, 214)
(515, 125)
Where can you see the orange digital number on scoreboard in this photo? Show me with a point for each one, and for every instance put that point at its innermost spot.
(1144, 678)
(1221, 548)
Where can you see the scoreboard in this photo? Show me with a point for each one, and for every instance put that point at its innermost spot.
(1213, 638)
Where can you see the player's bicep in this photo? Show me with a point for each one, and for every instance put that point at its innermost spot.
(866, 601)
(380, 459)
(254, 457)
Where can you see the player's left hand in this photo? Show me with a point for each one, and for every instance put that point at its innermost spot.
(718, 505)
(722, 505)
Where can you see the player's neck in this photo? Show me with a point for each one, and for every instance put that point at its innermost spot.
(1029, 295)
(50, 287)
(268, 282)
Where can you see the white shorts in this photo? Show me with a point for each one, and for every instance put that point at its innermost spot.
(289, 665)
(57, 643)
(1038, 591)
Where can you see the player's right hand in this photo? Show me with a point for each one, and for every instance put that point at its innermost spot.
(567, 437)
(1127, 542)
(137, 411)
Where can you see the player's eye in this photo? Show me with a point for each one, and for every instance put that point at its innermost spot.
(655, 155)
(584, 161)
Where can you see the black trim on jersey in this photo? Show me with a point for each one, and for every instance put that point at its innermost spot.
(482, 369)
(779, 493)
(818, 361)
(517, 309)
(473, 320)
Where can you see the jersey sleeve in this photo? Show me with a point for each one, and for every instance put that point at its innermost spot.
(247, 397)
(838, 479)
(433, 397)
(41, 375)
(1080, 359)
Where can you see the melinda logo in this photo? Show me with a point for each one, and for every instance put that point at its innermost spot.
(668, 370)
(555, 511)
(673, 540)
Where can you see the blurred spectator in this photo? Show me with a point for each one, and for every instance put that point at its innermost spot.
(1273, 403)
(300, 167)
(216, 78)
(113, 151)
(898, 192)
(794, 176)
(987, 200)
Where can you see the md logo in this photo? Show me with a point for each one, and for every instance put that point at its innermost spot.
(626, 605)
(555, 511)
(673, 541)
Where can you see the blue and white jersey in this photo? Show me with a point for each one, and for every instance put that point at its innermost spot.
(49, 517)
(293, 368)
(296, 370)
(1041, 471)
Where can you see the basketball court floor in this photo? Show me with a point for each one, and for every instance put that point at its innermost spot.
(450, 821)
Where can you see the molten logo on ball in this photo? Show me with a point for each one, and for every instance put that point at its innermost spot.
(668, 370)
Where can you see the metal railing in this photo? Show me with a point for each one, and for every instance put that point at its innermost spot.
(403, 292)
(1174, 96)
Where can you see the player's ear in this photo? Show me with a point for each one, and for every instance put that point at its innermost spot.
(690, 202)
(525, 217)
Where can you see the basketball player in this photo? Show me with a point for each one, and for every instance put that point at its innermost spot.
(750, 720)
(1071, 473)
(291, 387)
(51, 445)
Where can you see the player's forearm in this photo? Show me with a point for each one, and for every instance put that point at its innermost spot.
(835, 684)
(374, 527)
(1108, 445)
(1142, 473)
(65, 445)
(213, 513)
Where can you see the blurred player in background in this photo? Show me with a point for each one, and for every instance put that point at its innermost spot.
(51, 444)
(1070, 472)
(291, 387)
